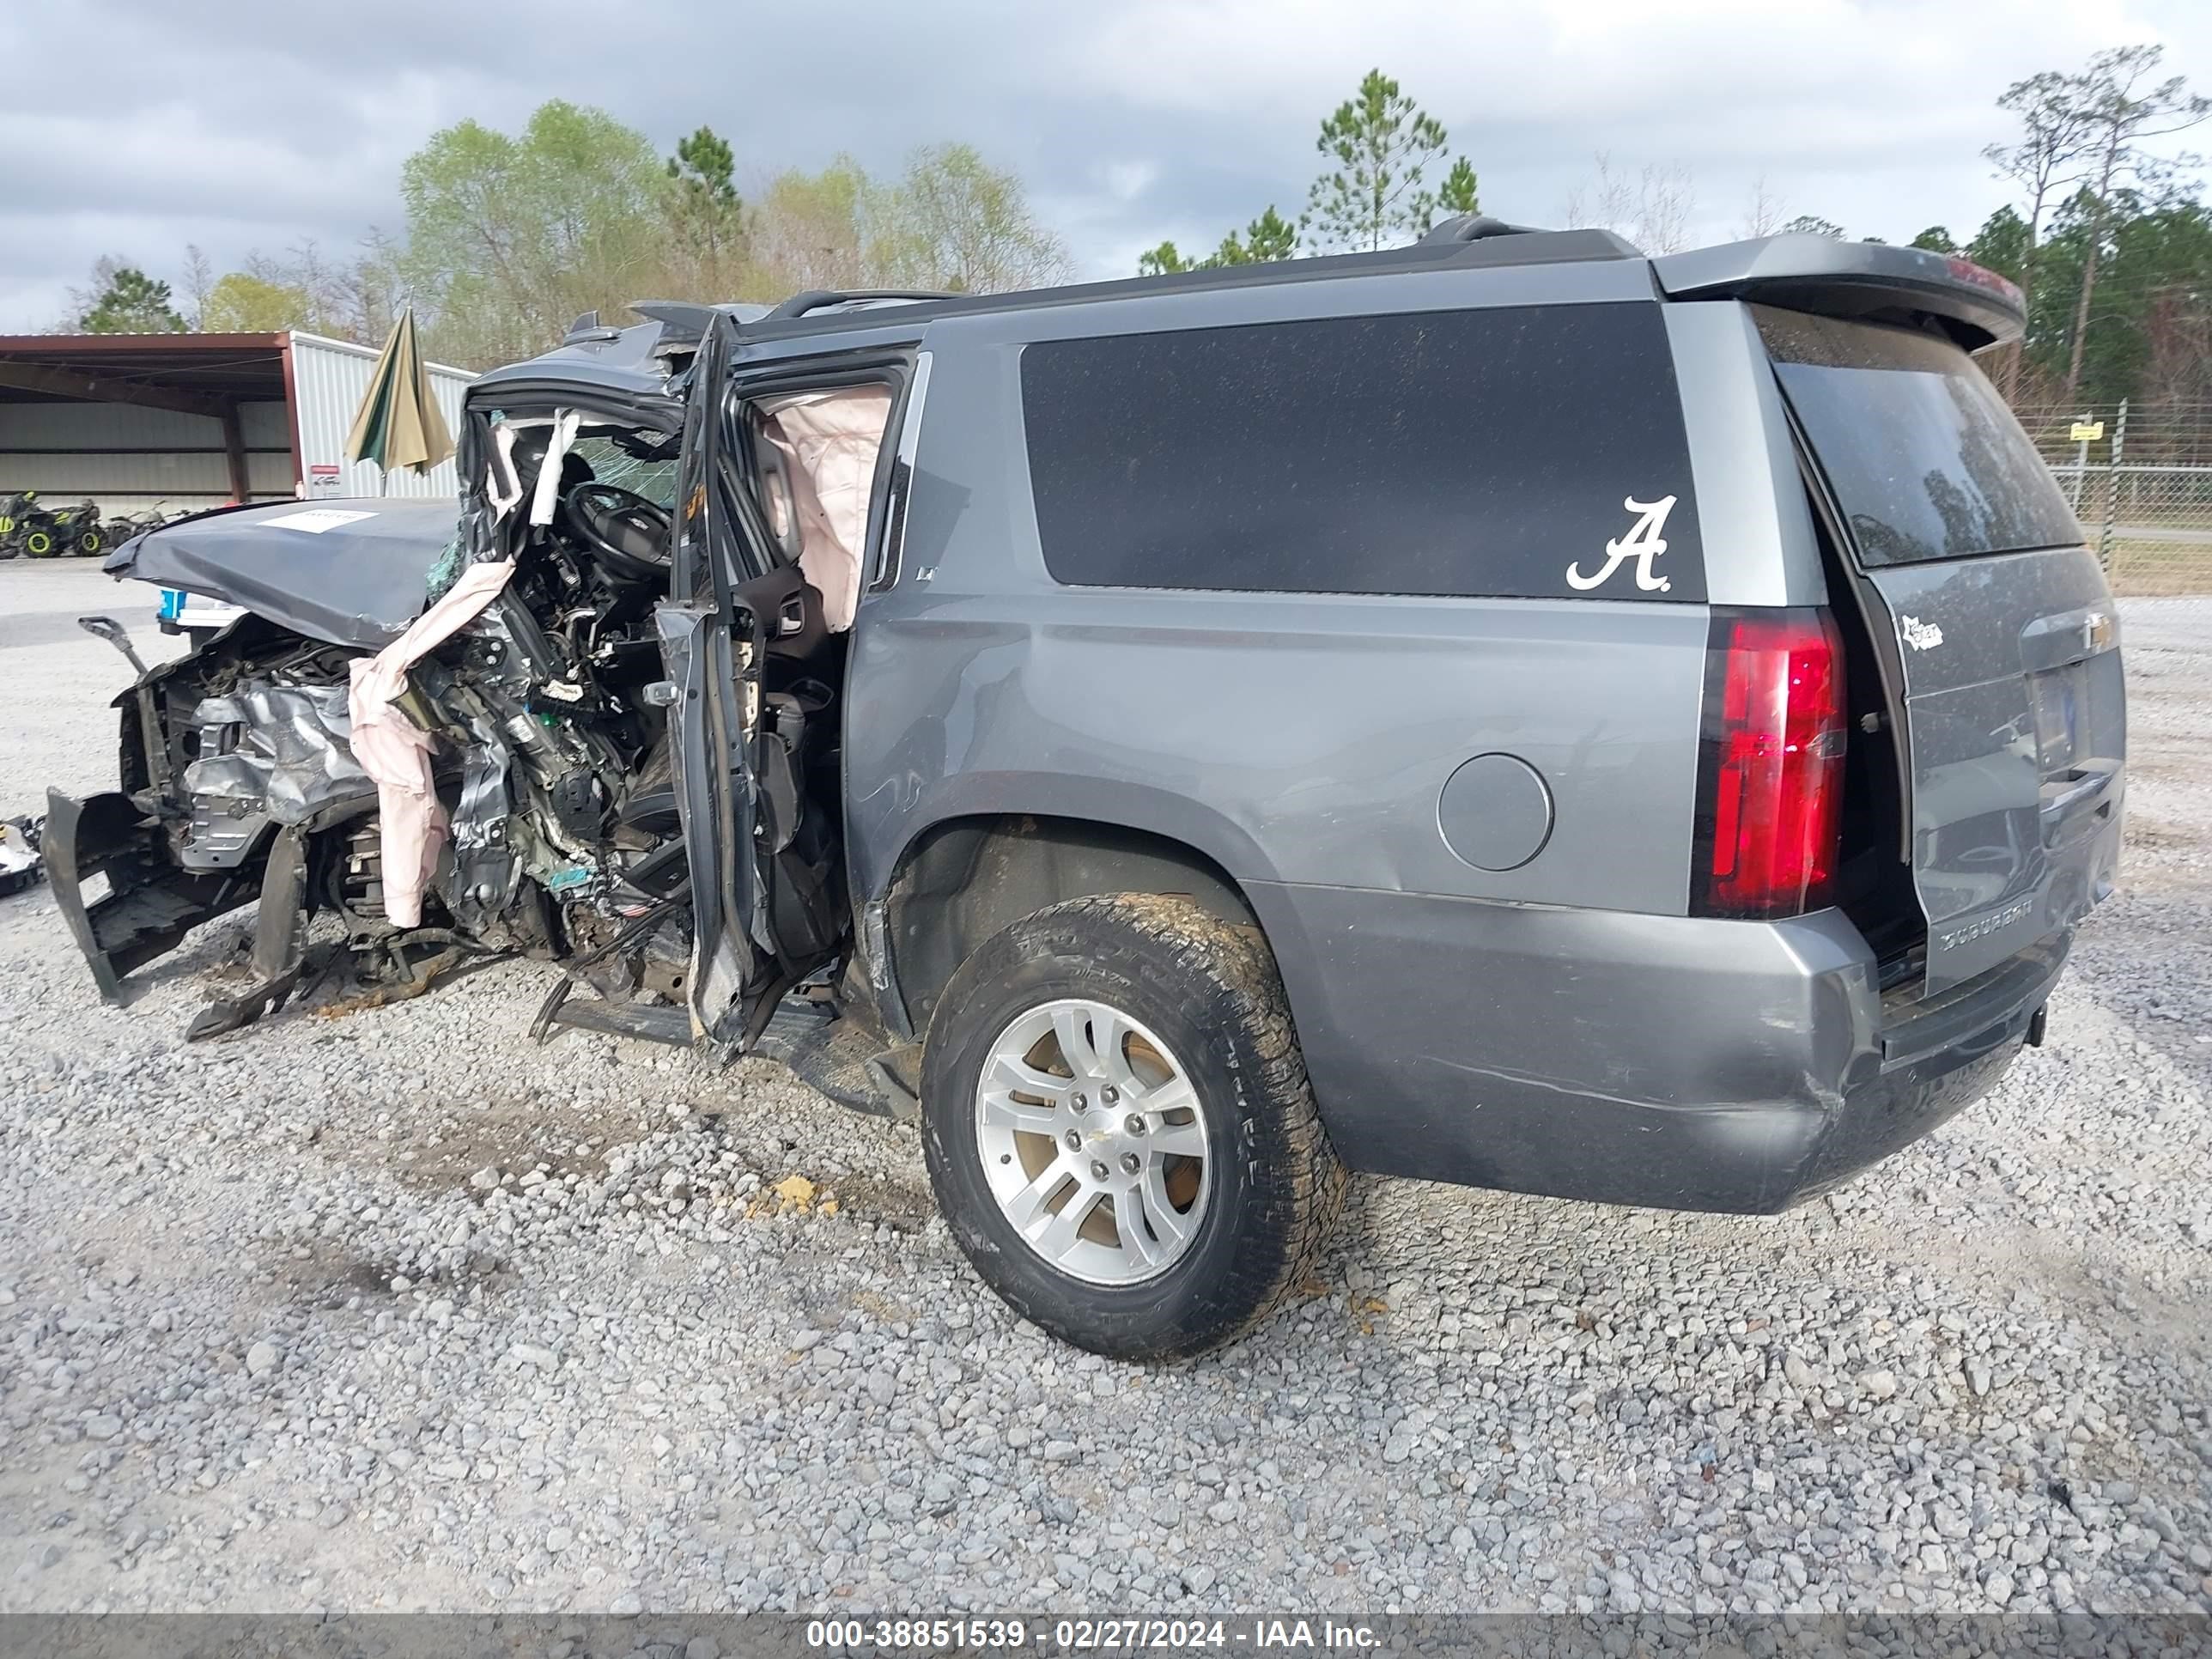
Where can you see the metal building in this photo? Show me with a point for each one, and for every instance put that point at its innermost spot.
(192, 421)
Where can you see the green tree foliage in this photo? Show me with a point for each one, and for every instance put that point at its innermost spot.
(707, 219)
(1459, 194)
(1269, 237)
(2154, 293)
(954, 222)
(1936, 239)
(2002, 244)
(704, 166)
(951, 221)
(1165, 260)
(812, 229)
(2121, 103)
(242, 303)
(1383, 144)
(1808, 224)
(509, 237)
(129, 301)
(2080, 150)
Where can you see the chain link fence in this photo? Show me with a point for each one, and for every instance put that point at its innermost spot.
(2141, 480)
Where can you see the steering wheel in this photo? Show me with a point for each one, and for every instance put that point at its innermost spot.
(626, 533)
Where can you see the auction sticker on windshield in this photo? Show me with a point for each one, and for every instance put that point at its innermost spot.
(315, 519)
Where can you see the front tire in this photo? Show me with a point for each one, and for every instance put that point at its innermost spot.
(1119, 1130)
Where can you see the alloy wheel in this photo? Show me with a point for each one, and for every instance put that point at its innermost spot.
(1093, 1141)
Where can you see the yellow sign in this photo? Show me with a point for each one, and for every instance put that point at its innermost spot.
(2086, 432)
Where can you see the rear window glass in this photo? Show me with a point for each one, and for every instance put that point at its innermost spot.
(1488, 452)
(1924, 458)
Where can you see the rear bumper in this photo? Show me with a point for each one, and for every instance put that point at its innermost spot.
(1671, 1061)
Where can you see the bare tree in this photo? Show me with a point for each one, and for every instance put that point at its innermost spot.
(1762, 211)
(81, 300)
(321, 285)
(955, 222)
(373, 289)
(2120, 112)
(2054, 137)
(1651, 209)
(199, 277)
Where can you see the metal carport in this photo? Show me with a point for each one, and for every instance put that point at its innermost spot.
(190, 420)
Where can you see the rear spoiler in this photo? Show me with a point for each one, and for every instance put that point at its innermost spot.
(1834, 278)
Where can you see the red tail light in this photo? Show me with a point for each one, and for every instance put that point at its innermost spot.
(1770, 777)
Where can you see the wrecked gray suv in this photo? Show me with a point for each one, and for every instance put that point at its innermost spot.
(1505, 711)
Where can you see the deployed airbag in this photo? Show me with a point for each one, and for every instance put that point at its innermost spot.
(348, 572)
(396, 752)
(831, 437)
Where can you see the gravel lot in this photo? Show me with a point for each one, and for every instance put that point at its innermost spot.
(395, 1310)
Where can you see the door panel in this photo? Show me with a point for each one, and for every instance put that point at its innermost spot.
(711, 651)
(2017, 722)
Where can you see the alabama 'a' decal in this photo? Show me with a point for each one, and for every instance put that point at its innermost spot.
(1645, 543)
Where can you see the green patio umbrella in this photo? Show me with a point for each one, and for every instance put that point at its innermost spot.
(399, 424)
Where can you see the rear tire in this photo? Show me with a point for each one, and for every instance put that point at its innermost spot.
(1160, 1240)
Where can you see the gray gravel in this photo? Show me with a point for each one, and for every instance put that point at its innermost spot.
(395, 1310)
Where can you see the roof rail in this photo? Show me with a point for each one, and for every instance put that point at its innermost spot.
(1475, 228)
(587, 327)
(821, 299)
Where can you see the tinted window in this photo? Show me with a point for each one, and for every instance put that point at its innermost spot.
(1924, 458)
(1460, 451)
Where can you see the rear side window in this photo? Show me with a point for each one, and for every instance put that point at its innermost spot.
(1488, 453)
(1925, 459)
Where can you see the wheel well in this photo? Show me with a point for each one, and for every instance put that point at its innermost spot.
(964, 879)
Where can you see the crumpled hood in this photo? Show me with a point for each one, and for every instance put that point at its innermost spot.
(351, 573)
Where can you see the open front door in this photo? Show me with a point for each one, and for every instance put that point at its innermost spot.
(711, 645)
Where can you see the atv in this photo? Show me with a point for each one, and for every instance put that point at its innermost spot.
(22, 518)
(76, 532)
(122, 526)
(54, 532)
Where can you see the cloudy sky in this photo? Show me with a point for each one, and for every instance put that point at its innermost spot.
(132, 127)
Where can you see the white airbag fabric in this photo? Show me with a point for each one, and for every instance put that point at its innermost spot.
(831, 439)
(391, 749)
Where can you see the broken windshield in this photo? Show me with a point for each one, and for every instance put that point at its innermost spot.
(610, 464)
